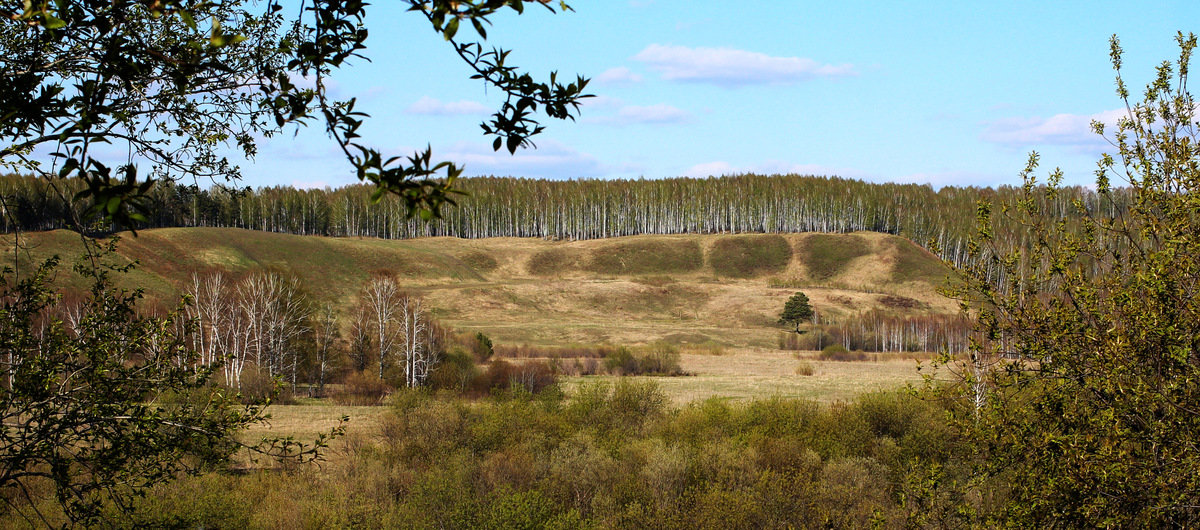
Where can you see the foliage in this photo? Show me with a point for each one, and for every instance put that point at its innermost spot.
(805, 368)
(482, 347)
(1083, 386)
(659, 358)
(796, 311)
(590, 209)
(837, 352)
(611, 456)
(177, 81)
(102, 402)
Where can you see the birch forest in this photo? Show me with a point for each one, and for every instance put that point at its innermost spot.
(941, 220)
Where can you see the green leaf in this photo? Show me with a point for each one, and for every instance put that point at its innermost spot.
(53, 22)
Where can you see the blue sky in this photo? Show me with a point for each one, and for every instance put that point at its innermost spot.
(945, 93)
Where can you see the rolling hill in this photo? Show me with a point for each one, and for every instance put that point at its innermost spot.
(715, 290)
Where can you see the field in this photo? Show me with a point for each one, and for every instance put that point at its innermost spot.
(715, 297)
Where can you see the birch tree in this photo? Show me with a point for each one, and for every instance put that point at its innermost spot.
(382, 300)
(325, 338)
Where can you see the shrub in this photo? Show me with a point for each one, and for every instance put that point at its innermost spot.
(518, 510)
(258, 387)
(456, 372)
(790, 341)
(531, 376)
(661, 359)
(482, 347)
(805, 368)
(621, 362)
(837, 352)
(361, 388)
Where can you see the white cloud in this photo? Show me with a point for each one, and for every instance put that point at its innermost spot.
(1072, 130)
(310, 184)
(436, 107)
(711, 169)
(733, 67)
(602, 102)
(659, 114)
(552, 160)
(618, 76)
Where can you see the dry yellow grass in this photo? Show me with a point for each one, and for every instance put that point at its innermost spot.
(307, 420)
(487, 285)
(751, 374)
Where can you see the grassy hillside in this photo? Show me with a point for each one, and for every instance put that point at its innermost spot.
(723, 289)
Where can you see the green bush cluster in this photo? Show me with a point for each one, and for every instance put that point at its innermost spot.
(611, 456)
(657, 359)
(837, 352)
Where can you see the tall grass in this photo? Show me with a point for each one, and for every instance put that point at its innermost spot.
(611, 456)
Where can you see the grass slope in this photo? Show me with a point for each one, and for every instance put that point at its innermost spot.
(705, 293)
(683, 282)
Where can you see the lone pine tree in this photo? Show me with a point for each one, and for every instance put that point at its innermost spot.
(796, 311)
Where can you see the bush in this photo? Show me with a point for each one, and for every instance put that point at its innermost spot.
(482, 347)
(791, 341)
(530, 376)
(258, 387)
(662, 359)
(805, 368)
(456, 372)
(361, 388)
(837, 352)
(621, 362)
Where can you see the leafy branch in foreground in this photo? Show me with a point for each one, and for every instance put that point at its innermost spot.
(1083, 389)
(101, 402)
(172, 83)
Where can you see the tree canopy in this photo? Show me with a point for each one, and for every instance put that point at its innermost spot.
(796, 311)
(104, 400)
(176, 81)
(1082, 390)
